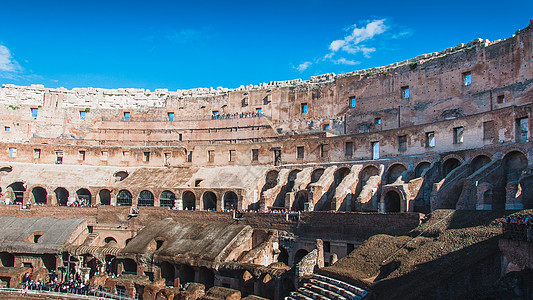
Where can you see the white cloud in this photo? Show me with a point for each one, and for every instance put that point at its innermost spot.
(7, 63)
(344, 61)
(351, 43)
(303, 66)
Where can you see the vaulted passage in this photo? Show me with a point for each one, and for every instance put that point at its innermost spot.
(394, 172)
(449, 165)
(61, 196)
(105, 197)
(392, 202)
(39, 195)
(167, 199)
(146, 198)
(230, 200)
(84, 196)
(18, 190)
(189, 200)
(124, 198)
(209, 201)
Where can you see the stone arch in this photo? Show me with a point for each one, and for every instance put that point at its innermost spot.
(449, 165)
(207, 277)
(18, 188)
(121, 175)
(394, 172)
(189, 200)
(124, 198)
(7, 259)
(230, 200)
(167, 199)
(283, 255)
(301, 253)
(367, 172)
(300, 199)
(316, 174)
(105, 197)
(168, 272)
(392, 201)
(61, 196)
(271, 179)
(146, 198)
(84, 196)
(514, 162)
(39, 195)
(129, 266)
(291, 178)
(340, 173)
(186, 274)
(110, 241)
(209, 201)
(49, 262)
(479, 162)
(421, 168)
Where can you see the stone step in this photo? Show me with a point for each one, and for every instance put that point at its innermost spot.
(325, 292)
(354, 289)
(337, 289)
(311, 294)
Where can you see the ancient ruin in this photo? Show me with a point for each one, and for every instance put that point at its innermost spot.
(366, 184)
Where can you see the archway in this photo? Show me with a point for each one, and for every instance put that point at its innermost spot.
(340, 174)
(283, 256)
(189, 200)
(392, 202)
(394, 172)
(421, 168)
(186, 274)
(168, 272)
(209, 201)
(513, 164)
(18, 189)
(124, 198)
(230, 200)
(271, 180)
(300, 199)
(129, 266)
(61, 196)
(449, 165)
(167, 199)
(49, 262)
(299, 255)
(478, 162)
(105, 197)
(39, 195)
(207, 277)
(146, 198)
(110, 264)
(280, 198)
(121, 175)
(110, 242)
(7, 259)
(84, 197)
(317, 173)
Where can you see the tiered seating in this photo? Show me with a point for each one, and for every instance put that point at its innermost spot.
(324, 288)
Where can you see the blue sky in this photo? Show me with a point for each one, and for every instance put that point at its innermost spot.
(189, 44)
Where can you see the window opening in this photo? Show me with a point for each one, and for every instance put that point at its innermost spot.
(300, 152)
(402, 143)
(467, 78)
(82, 115)
(255, 154)
(303, 107)
(348, 149)
(458, 135)
(353, 102)
(430, 139)
(170, 116)
(126, 116)
(375, 150)
(34, 112)
(405, 92)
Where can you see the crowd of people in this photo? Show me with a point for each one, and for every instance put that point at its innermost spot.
(518, 228)
(217, 116)
(73, 285)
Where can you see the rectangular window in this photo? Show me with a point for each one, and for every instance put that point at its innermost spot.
(125, 155)
(324, 150)
(82, 115)
(232, 155)
(488, 131)
(103, 155)
(501, 99)
(377, 121)
(215, 114)
(189, 157)
(211, 156)
(375, 150)
(59, 157)
(325, 127)
(402, 143)
(146, 156)
(36, 153)
(430, 139)
(255, 154)
(458, 135)
(166, 158)
(126, 116)
(12, 152)
(180, 137)
(405, 92)
(348, 149)
(303, 107)
(81, 155)
(522, 130)
(353, 101)
(34, 112)
(7, 128)
(170, 116)
(300, 152)
(467, 78)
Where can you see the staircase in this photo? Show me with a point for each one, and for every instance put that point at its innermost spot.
(323, 288)
(90, 239)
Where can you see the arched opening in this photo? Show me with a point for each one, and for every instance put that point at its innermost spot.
(168, 272)
(283, 256)
(271, 180)
(124, 198)
(209, 201)
(120, 175)
(91, 262)
(110, 242)
(449, 165)
(7, 259)
(478, 162)
(317, 173)
(186, 274)
(49, 262)
(207, 277)
(300, 199)
(84, 197)
(394, 172)
(513, 164)
(230, 200)
(105, 197)
(392, 202)
(340, 174)
(269, 286)
(110, 264)
(421, 168)
(368, 172)
(61, 196)
(129, 266)
(299, 255)
(338, 177)
(280, 198)
(189, 200)
(167, 199)
(39, 195)
(146, 198)
(18, 190)
(247, 283)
